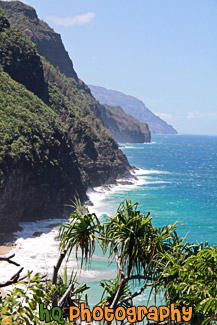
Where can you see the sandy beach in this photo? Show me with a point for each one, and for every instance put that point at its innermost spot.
(4, 250)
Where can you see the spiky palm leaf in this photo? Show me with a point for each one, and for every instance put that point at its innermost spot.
(80, 232)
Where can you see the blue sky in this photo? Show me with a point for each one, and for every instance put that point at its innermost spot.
(163, 52)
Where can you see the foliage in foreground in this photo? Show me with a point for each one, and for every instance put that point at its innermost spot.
(155, 257)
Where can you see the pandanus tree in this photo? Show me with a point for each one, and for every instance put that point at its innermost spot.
(135, 245)
(153, 257)
(81, 231)
(131, 240)
(188, 277)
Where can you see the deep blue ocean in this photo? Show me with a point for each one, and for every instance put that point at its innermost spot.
(184, 187)
(176, 181)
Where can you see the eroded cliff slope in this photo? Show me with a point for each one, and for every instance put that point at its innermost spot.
(133, 106)
(124, 127)
(49, 45)
(52, 144)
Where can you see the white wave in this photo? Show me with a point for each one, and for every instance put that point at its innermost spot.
(100, 196)
(122, 146)
(131, 147)
(141, 171)
(93, 275)
(40, 253)
(37, 254)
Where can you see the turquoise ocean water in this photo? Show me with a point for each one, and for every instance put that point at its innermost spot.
(180, 183)
(176, 181)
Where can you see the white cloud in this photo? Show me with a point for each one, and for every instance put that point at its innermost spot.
(164, 116)
(71, 21)
(94, 57)
(201, 115)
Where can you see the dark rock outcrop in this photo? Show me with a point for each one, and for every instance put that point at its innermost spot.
(133, 106)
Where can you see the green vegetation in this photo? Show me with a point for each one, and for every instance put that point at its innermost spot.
(53, 144)
(155, 257)
(21, 306)
(133, 106)
(188, 277)
(74, 104)
(15, 12)
(51, 134)
(48, 43)
(27, 126)
(74, 110)
(19, 59)
(124, 127)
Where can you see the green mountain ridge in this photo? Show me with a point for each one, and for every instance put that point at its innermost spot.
(133, 106)
(25, 18)
(50, 46)
(124, 127)
(19, 59)
(51, 149)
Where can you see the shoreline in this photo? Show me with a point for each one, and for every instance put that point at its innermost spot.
(8, 239)
(46, 247)
(4, 250)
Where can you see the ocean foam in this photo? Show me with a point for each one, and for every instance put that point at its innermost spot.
(131, 147)
(141, 171)
(39, 254)
(140, 177)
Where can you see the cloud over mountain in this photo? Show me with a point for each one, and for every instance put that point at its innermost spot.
(71, 21)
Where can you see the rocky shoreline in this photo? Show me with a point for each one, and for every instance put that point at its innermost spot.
(59, 146)
(7, 239)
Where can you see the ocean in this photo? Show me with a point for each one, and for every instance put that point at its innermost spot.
(176, 181)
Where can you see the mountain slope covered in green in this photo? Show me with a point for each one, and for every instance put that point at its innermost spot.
(50, 46)
(52, 144)
(19, 58)
(48, 43)
(124, 127)
(38, 168)
(133, 106)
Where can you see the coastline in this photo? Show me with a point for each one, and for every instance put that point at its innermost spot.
(4, 250)
(8, 239)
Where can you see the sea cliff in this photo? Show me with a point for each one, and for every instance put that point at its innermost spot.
(133, 106)
(52, 140)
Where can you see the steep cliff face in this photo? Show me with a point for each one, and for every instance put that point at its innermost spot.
(20, 60)
(39, 172)
(134, 107)
(100, 160)
(50, 149)
(124, 127)
(48, 43)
